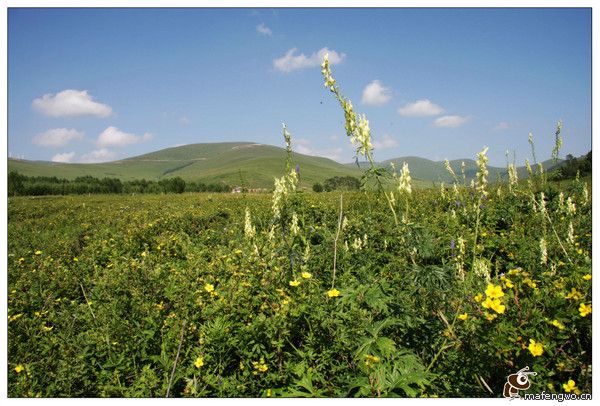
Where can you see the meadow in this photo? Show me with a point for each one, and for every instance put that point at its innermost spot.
(140, 295)
(439, 292)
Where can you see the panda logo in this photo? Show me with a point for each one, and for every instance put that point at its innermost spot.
(517, 382)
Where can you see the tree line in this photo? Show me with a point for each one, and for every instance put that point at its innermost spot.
(22, 185)
(571, 166)
(345, 183)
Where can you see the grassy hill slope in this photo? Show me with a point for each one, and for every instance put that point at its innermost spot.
(257, 164)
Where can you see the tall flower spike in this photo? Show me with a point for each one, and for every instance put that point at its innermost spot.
(404, 184)
(557, 141)
(482, 173)
(249, 230)
(326, 72)
(449, 169)
(512, 176)
(543, 251)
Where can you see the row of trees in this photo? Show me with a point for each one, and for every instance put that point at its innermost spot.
(21, 185)
(345, 183)
(569, 168)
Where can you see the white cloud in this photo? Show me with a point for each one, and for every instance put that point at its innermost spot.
(420, 108)
(291, 61)
(264, 30)
(503, 125)
(57, 137)
(184, 120)
(113, 137)
(333, 137)
(387, 142)
(376, 94)
(70, 103)
(99, 155)
(65, 157)
(450, 121)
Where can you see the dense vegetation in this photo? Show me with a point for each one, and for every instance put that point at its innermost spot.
(103, 290)
(21, 185)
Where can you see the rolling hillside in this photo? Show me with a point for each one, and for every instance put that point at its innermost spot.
(257, 164)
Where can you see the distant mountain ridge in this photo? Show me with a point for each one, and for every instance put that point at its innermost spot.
(234, 163)
(248, 163)
(435, 171)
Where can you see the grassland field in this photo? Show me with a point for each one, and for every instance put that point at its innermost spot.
(210, 295)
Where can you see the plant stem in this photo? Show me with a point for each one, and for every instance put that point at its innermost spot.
(337, 236)
(176, 358)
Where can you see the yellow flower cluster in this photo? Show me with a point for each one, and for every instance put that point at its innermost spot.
(492, 301)
(536, 349)
(371, 359)
(259, 366)
(584, 309)
(199, 362)
(558, 324)
(570, 386)
(333, 292)
(574, 294)
(507, 282)
(210, 288)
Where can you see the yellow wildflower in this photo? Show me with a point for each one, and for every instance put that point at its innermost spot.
(371, 359)
(489, 316)
(38, 252)
(463, 316)
(46, 328)
(507, 282)
(514, 271)
(333, 293)
(294, 283)
(306, 275)
(199, 362)
(494, 292)
(478, 297)
(574, 294)
(587, 276)
(15, 317)
(209, 287)
(584, 309)
(558, 324)
(259, 366)
(570, 386)
(536, 349)
(497, 306)
(494, 304)
(19, 368)
(529, 282)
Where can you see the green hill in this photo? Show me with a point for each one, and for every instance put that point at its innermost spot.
(257, 164)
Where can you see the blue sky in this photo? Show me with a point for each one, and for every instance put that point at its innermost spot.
(89, 85)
